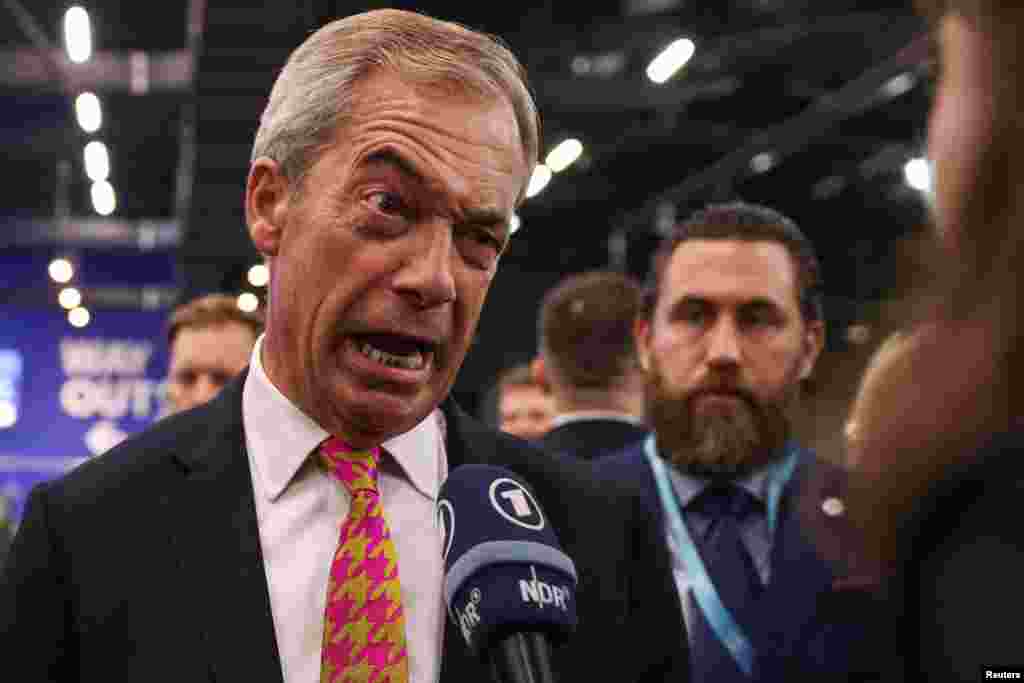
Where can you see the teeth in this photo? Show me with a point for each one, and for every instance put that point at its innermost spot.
(413, 361)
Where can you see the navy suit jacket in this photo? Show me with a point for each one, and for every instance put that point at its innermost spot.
(592, 438)
(816, 618)
(145, 564)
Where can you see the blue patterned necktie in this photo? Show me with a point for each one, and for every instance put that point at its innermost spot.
(732, 570)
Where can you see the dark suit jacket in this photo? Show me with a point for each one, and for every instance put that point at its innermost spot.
(817, 615)
(145, 564)
(592, 438)
(959, 583)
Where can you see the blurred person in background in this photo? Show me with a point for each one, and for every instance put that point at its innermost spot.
(941, 464)
(287, 529)
(863, 413)
(525, 408)
(730, 327)
(588, 363)
(210, 341)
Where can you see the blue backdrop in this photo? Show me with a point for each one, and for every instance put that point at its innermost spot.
(69, 394)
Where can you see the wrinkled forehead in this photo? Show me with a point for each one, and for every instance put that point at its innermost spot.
(468, 86)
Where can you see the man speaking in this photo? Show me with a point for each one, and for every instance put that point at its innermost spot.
(286, 530)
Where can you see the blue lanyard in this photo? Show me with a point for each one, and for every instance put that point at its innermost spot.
(706, 595)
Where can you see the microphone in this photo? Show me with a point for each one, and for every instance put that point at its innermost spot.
(509, 587)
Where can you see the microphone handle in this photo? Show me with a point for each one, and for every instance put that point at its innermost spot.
(522, 658)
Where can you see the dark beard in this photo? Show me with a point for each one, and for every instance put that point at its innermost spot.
(716, 444)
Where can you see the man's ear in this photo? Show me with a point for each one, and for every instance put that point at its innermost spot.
(813, 343)
(539, 373)
(642, 339)
(267, 193)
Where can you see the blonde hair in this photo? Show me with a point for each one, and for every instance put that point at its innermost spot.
(314, 92)
(212, 310)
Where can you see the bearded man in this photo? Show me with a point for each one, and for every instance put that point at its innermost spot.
(730, 327)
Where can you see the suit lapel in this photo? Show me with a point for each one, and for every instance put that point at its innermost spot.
(218, 546)
(799, 572)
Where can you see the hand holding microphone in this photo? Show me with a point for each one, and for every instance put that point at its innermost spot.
(509, 587)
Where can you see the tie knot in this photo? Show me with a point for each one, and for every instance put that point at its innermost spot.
(356, 469)
(726, 500)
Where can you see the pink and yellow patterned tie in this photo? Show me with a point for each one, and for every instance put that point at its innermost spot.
(364, 624)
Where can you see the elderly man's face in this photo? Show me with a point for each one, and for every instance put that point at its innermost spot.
(381, 261)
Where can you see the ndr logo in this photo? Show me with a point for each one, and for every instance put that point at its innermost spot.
(541, 593)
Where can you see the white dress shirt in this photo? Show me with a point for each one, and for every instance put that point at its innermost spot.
(584, 415)
(300, 510)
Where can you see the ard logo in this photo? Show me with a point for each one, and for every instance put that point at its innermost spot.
(516, 504)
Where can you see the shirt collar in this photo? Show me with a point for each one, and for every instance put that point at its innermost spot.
(281, 437)
(584, 415)
(687, 487)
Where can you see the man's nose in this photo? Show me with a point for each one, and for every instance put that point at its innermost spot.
(724, 348)
(427, 275)
(205, 388)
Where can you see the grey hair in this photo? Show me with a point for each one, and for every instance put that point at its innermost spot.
(313, 94)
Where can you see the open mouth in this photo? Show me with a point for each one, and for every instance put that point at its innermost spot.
(395, 350)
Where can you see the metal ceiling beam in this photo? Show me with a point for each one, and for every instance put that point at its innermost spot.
(144, 234)
(790, 136)
(136, 72)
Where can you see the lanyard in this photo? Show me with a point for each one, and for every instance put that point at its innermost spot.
(706, 595)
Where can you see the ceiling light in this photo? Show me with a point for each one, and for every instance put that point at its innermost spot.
(79, 317)
(97, 161)
(514, 224)
(88, 112)
(77, 35)
(248, 302)
(61, 270)
(562, 156)
(259, 275)
(103, 198)
(539, 180)
(918, 174)
(762, 162)
(671, 60)
(70, 298)
(8, 413)
(899, 84)
(581, 65)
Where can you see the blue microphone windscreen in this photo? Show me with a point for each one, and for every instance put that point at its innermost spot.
(504, 569)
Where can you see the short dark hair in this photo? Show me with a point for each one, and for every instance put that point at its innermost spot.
(515, 376)
(586, 328)
(747, 223)
(212, 310)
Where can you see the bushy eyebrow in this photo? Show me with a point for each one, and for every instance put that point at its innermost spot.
(479, 216)
(706, 302)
